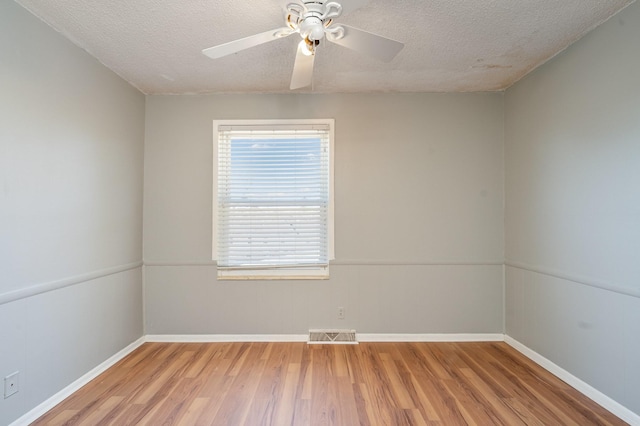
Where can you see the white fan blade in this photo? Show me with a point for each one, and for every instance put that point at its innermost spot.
(368, 43)
(302, 69)
(225, 49)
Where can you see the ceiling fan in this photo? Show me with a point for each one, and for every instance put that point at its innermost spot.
(314, 21)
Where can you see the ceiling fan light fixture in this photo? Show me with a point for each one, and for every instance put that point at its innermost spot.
(308, 47)
(312, 28)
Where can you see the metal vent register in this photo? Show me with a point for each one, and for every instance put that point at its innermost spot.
(345, 337)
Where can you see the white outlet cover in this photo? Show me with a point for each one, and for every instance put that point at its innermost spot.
(11, 384)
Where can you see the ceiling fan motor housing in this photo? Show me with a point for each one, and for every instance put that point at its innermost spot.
(312, 18)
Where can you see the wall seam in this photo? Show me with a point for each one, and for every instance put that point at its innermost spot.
(615, 288)
(37, 289)
(348, 263)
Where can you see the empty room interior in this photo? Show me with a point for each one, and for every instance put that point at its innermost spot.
(482, 188)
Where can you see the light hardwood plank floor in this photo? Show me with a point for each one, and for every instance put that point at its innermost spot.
(300, 384)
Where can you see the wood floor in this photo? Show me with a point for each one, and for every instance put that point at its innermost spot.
(300, 384)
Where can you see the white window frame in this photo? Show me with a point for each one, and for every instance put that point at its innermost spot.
(319, 272)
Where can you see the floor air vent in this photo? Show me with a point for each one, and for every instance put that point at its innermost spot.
(345, 337)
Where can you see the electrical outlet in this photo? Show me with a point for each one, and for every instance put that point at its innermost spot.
(11, 384)
(341, 312)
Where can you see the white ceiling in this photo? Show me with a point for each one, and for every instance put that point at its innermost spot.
(450, 45)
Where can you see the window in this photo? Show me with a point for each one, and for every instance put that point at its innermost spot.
(273, 199)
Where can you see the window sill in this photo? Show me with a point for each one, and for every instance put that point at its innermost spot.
(271, 277)
(321, 273)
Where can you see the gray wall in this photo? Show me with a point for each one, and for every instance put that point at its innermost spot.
(71, 168)
(419, 218)
(573, 209)
(419, 213)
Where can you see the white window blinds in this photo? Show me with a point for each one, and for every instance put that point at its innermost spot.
(273, 200)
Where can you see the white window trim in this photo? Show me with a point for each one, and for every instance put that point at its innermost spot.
(300, 273)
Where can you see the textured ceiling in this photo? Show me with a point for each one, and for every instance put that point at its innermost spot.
(450, 45)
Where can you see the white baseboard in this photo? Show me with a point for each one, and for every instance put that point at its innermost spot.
(223, 338)
(434, 337)
(586, 389)
(362, 337)
(47, 405)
